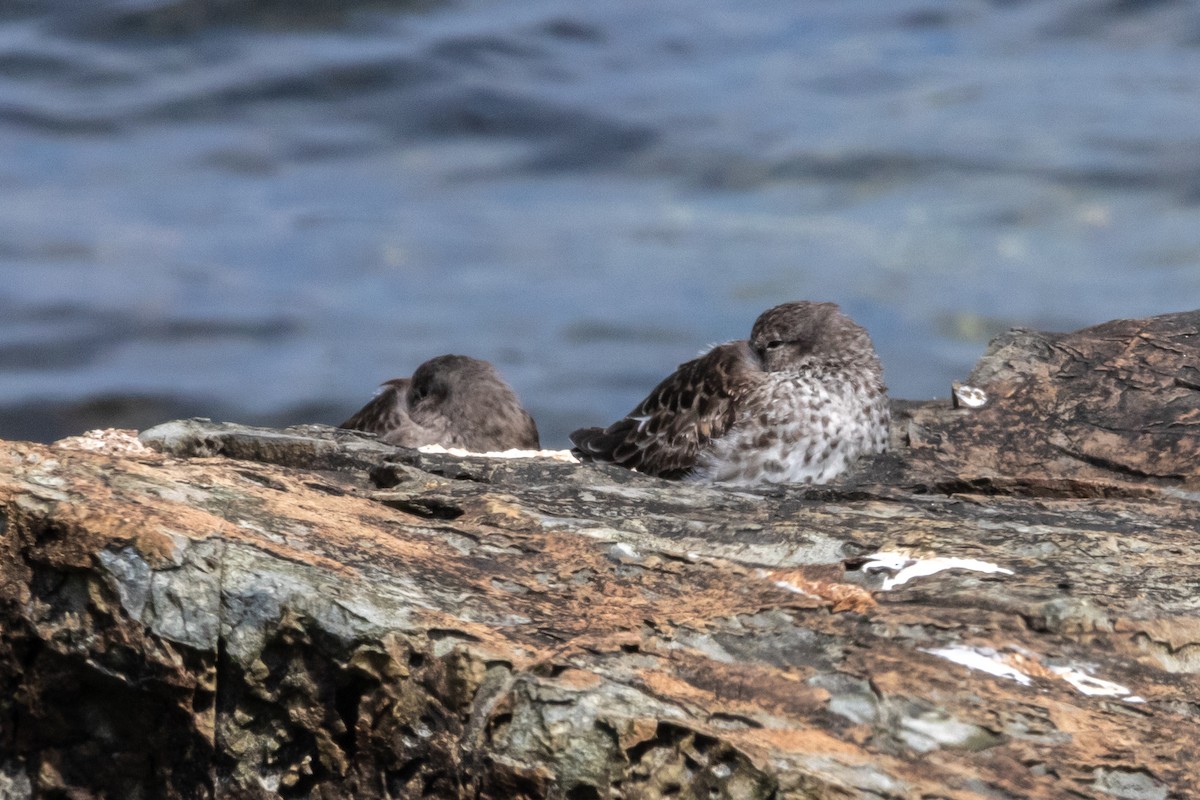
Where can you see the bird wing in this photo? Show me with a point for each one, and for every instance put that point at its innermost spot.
(386, 415)
(668, 430)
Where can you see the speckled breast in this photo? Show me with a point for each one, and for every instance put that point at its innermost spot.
(799, 429)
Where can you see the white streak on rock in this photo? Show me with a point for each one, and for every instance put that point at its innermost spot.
(907, 568)
(1088, 684)
(107, 440)
(556, 455)
(791, 587)
(623, 552)
(983, 659)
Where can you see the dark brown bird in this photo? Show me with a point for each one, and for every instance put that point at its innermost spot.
(454, 401)
(797, 403)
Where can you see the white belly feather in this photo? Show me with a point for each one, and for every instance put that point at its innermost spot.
(796, 430)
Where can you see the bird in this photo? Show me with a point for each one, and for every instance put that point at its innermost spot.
(798, 402)
(451, 400)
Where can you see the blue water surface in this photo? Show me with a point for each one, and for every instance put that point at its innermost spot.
(258, 210)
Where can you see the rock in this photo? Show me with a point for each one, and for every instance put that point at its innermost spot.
(1005, 606)
(1092, 411)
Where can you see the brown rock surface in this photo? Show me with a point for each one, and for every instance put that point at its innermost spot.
(243, 612)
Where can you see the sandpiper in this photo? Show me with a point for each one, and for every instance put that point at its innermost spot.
(454, 401)
(799, 402)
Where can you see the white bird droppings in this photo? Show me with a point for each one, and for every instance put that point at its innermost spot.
(968, 396)
(907, 568)
(983, 659)
(986, 659)
(1090, 685)
(556, 455)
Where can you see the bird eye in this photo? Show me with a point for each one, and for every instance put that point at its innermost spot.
(771, 345)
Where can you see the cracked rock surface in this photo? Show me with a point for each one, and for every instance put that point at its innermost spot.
(1006, 606)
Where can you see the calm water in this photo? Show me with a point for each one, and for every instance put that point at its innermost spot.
(259, 209)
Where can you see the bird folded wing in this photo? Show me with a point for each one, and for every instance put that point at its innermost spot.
(668, 430)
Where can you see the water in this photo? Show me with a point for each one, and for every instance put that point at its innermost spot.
(258, 210)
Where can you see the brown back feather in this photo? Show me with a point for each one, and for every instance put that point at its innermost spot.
(665, 434)
(384, 410)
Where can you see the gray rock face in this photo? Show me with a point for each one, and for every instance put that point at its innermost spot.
(1002, 606)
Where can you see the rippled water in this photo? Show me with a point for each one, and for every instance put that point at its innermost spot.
(259, 209)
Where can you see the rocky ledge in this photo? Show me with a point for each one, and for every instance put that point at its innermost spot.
(1004, 607)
